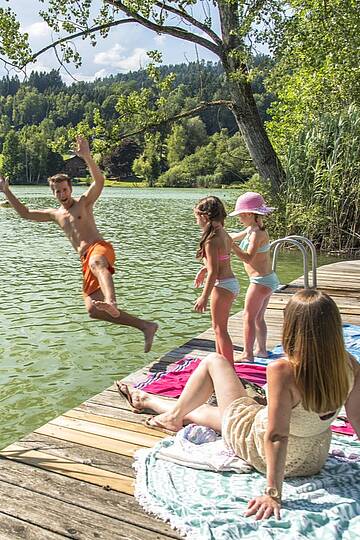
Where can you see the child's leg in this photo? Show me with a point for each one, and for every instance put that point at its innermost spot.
(213, 373)
(147, 327)
(254, 300)
(221, 302)
(261, 330)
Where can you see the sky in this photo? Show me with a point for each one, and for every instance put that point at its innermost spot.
(123, 50)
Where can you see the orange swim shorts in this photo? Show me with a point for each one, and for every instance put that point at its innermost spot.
(102, 248)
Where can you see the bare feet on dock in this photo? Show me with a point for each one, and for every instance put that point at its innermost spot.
(149, 333)
(137, 399)
(261, 354)
(167, 421)
(109, 307)
(244, 357)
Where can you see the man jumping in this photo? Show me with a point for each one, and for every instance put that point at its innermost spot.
(76, 219)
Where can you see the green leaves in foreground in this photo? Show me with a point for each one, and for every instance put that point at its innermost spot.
(13, 44)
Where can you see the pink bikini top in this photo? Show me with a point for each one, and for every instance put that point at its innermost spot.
(224, 257)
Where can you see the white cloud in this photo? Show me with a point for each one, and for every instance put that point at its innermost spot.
(100, 74)
(116, 58)
(38, 30)
(110, 57)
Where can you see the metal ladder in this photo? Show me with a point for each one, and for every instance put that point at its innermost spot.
(299, 242)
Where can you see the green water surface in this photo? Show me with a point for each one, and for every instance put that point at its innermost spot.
(52, 356)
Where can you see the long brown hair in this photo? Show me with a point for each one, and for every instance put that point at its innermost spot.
(314, 344)
(259, 222)
(213, 208)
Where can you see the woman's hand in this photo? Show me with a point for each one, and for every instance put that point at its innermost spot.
(263, 507)
(200, 277)
(200, 304)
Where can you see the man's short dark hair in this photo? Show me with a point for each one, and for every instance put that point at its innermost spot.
(58, 178)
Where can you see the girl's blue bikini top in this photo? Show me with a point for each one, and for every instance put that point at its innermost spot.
(244, 244)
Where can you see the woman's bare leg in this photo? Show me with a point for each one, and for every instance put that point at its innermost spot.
(205, 415)
(221, 302)
(214, 373)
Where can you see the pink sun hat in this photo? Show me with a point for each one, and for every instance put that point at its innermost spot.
(251, 202)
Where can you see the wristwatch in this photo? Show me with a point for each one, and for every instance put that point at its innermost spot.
(273, 493)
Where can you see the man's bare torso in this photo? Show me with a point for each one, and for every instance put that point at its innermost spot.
(78, 224)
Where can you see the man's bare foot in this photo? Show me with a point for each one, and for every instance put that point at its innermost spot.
(244, 357)
(137, 399)
(166, 421)
(261, 354)
(149, 333)
(109, 307)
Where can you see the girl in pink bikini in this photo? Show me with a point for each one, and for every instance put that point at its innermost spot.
(219, 280)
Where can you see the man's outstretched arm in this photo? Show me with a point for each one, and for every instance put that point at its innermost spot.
(82, 150)
(21, 209)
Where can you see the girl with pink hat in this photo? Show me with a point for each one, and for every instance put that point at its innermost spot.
(254, 251)
(220, 284)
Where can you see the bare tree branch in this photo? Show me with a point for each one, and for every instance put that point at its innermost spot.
(191, 112)
(174, 31)
(187, 17)
(85, 32)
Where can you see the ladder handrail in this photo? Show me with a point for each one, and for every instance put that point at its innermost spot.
(277, 244)
(313, 256)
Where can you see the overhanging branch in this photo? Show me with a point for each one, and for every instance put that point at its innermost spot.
(174, 31)
(192, 112)
(85, 32)
(187, 17)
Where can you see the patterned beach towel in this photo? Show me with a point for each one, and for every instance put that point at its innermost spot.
(206, 505)
(172, 382)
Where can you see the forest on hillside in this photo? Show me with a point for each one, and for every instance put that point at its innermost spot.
(36, 117)
(287, 124)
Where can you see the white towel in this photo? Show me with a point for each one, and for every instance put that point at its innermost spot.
(200, 447)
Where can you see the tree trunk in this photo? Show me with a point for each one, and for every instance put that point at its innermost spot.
(245, 110)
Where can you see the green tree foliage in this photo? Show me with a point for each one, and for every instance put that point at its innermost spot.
(13, 157)
(176, 144)
(118, 162)
(222, 161)
(148, 165)
(322, 195)
(240, 24)
(27, 157)
(317, 67)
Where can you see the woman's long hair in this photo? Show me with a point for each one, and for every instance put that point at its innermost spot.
(213, 208)
(314, 344)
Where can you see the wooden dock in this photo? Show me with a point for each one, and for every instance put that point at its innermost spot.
(73, 477)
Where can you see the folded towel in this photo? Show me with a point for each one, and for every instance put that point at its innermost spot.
(200, 447)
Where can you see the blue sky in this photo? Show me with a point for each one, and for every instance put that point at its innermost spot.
(123, 50)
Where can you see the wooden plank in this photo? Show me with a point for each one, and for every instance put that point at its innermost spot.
(116, 505)
(88, 439)
(92, 428)
(96, 457)
(66, 519)
(66, 467)
(113, 422)
(15, 529)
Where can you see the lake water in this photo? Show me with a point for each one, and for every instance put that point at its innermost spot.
(53, 356)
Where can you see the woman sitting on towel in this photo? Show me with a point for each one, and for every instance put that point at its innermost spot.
(290, 434)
